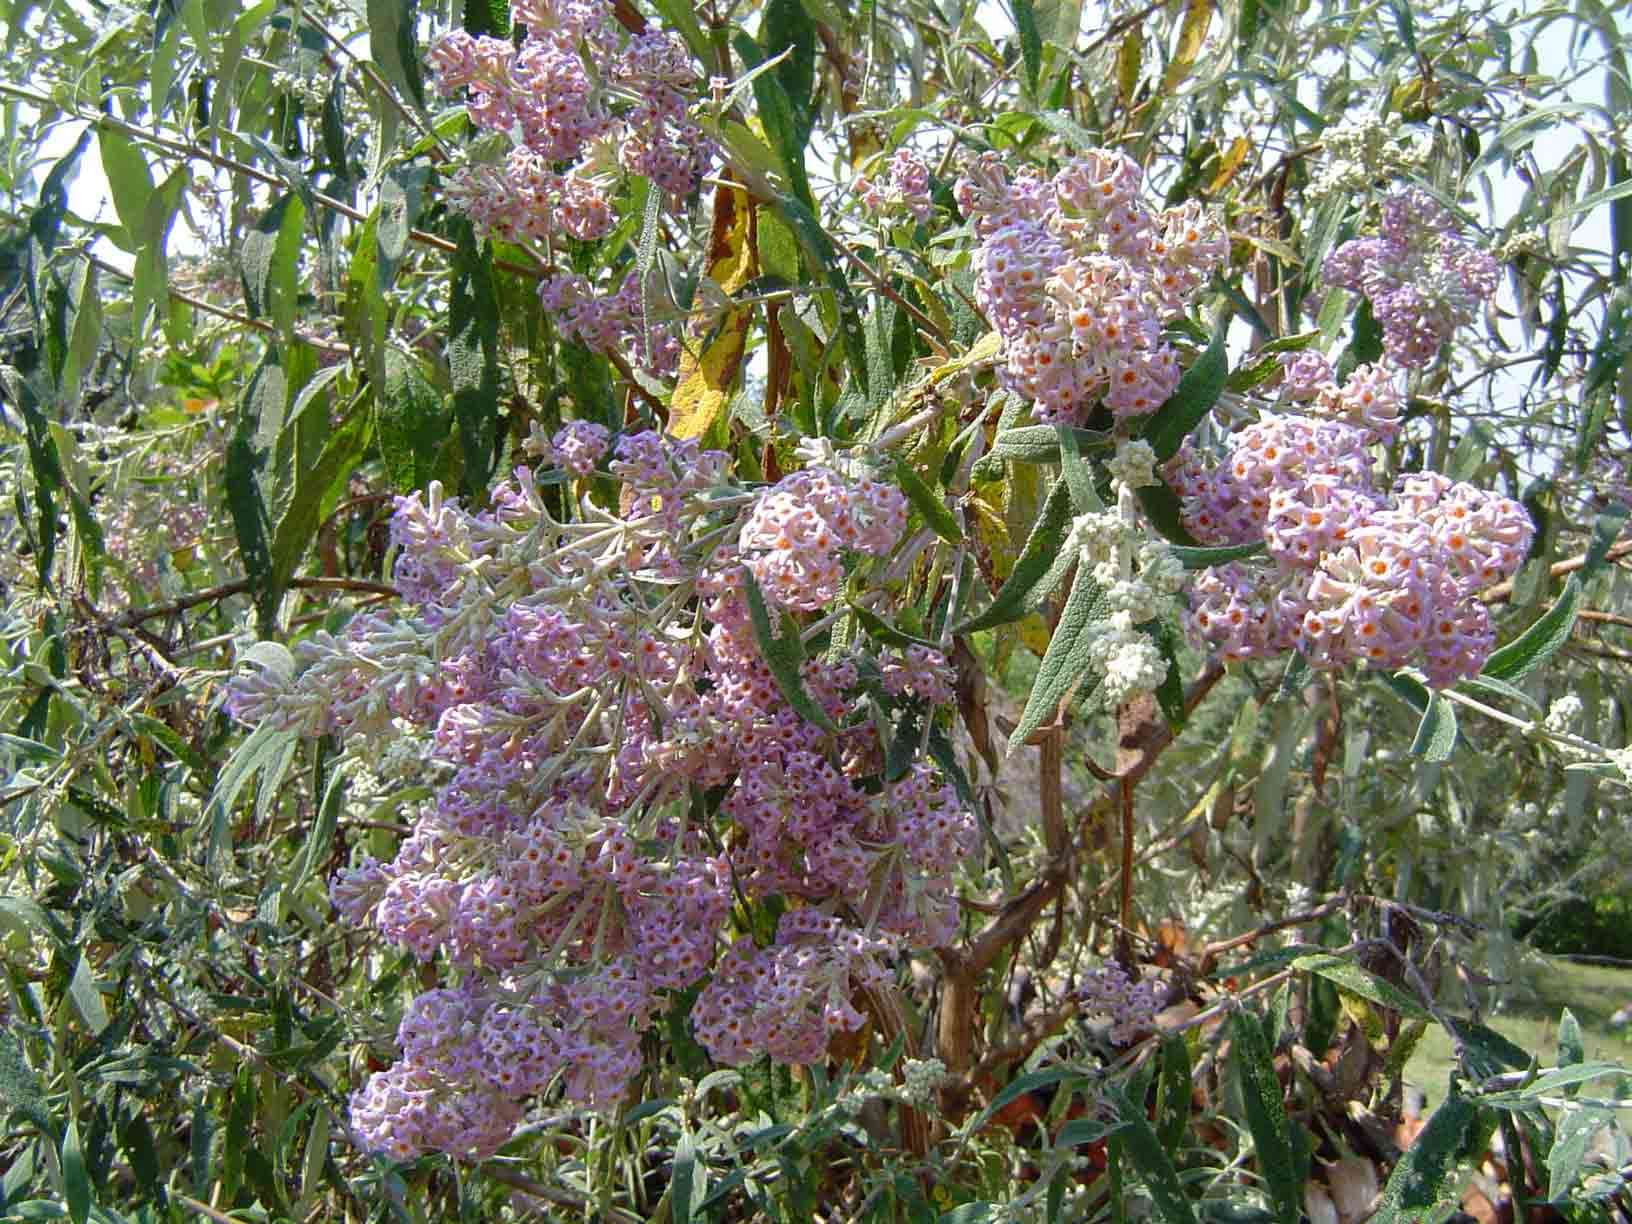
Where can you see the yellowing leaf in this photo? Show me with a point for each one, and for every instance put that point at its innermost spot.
(1198, 16)
(730, 253)
(1230, 163)
(706, 378)
(1034, 634)
(982, 352)
(1130, 60)
(707, 375)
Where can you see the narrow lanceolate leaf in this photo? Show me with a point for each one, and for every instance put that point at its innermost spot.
(1198, 15)
(784, 656)
(1541, 640)
(1266, 1116)
(409, 422)
(130, 182)
(1575, 1130)
(76, 1178)
(1031, 40)
(820, 252)
(401, 191)
(1206, 558)
(1039, 569)
(1065, 666)
(1173, 1092)
(1192, 399)
(1436, 733)
(87, 998)
(928, 503)
(269, 261)
(1041, 443)
(1418, 1181)
(684, 1181)
(1572, 1049)
(473, 358)
(260, 413)
(1154, 1164)
(1352, 978)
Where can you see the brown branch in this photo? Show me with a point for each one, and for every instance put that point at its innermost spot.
(221, 312)
(1503, 591)
(228, 589)
(1605, 618)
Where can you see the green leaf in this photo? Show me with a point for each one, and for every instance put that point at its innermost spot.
(1155, 1165)
(1031, 41)
(409, 422)
(1065, 666)
(87, 999)
(1575, 1130)
(1162, 508)
(879, 628)
(1173, 1090)
(1041, 566)
(319, 838)
(1019, 1086)
(1541, 640)
(269, 262)
(1436, 733)
(687, 1189)
(1041, 443)
(401, 191)
(1266, 1116)
(130, 182)
(1554, 1081)
(1086, 1130)
(784, 656)
(786, 29)
(1078, 476)
(1068, 130)
(473, 358)
(1206, 558)
(1193, 398)
(21, 1092)
(1571, 1047)
(824, 255)
(259, 420)
(1350, 977)
(1418, 1181)
(76, 1178)
(928, 503)
(391, 25)
(787, 129)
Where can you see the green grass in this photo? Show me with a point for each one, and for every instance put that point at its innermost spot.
(1543, 987)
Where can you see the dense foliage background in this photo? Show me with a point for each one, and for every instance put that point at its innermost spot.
(1185, 921)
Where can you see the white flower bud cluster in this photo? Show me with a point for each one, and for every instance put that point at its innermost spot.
(1363, 151)
(1561, 715)
(1139, 577)
(920, 1078)
(1134, 464)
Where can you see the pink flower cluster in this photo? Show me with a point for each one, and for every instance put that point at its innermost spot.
(1353, 576)
(1078, 277)
(584, 683)
(1422, 280)
(615, 324)
(566, 89)
(905, 187)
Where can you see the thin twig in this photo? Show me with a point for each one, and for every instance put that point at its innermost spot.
(239, 587)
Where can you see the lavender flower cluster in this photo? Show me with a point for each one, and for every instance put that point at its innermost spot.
(1422, 280)
(1078, 277)
(572, 96)
(586, 683)
(581, 107)
(1353, 575)
(1130, 1006)
(904, 187)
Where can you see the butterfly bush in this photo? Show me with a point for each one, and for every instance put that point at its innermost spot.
(586, 106)
(1078, 277)
(584, 677)
(1354, 574)
(1422, 280)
